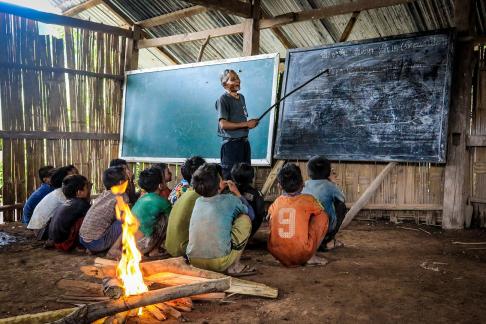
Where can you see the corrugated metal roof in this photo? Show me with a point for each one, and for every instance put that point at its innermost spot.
(421, 15)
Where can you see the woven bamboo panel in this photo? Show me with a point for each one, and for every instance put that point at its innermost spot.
(40, 100)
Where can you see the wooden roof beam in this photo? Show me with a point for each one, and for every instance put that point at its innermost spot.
(329, 11)
(200, 35)
(349, 27)
(170, 17)
(73, 11)
(232, 7)
(49, 18)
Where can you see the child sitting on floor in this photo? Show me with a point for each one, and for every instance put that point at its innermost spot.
(187, 169)
(46, 208)
(298, 223)
(152, 211)
(243, 174)
(167, 175)
(329, 195)
(220, 227)
(45, 174)
(65, 224)
(101, 231)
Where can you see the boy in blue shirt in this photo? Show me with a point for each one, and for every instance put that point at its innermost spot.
(329, 195)
(220, 227)
(45, 174)
(187, 169)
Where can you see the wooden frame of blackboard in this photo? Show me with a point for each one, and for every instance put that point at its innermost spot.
(256, 162)
(445, 100)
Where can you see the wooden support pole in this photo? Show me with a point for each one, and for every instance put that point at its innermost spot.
(328, 11)
(92, 312)
(349, 26)
(203, 47)
(232, 7)
(44, 317)
(272, 176)
(50, 18)
(251, 32)
(457, 168)
(131, 61)
(182, 38)
(170, 17)
(366, 196)
(73, 11)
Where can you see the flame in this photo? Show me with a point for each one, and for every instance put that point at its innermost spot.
(128, 269)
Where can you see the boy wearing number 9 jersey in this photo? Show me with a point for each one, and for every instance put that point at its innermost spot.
(298, 222)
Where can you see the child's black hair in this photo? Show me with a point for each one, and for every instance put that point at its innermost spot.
(45, 172)
(161, 167)
(319, 168)
(72, 183)
(70, 168)
(113, 176)
(190, 166)
(205, 180)
(290, 178)
(150, 179)
(117, 162)
(59, 175)
(242, 173)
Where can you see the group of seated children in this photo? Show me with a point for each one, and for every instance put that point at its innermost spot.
(204, 218)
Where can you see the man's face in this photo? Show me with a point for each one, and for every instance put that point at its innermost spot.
(233, 83)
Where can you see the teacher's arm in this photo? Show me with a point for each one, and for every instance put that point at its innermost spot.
(227, 125)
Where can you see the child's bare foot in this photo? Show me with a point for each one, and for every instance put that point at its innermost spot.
(334, 244)
(317, 260)
(240, 270)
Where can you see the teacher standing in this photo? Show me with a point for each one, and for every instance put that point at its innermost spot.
(233, 125)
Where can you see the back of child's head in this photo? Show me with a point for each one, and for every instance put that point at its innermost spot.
(72, 183)
(290, 178)
(59, 175)
(224, 77)
(71, 169)
(118, 162)
(150, 179)
(190, 166)
(205, 180)
(45, 172)
(161, 167)
(113, 176)
(319, 168)
(242, 173)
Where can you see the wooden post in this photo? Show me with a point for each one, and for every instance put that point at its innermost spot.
(349, 27)
(272, 176)
(131, 60)
(251, 31)
(366, 196)
(456, 173)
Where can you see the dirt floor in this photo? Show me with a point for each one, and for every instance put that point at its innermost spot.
(378, 277)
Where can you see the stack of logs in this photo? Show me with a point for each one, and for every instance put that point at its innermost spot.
(173, 285)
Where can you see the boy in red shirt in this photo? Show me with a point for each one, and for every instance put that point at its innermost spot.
(298, 223)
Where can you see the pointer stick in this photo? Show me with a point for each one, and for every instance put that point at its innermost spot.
(291, 92)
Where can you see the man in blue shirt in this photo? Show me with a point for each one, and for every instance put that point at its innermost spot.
(329, 195)
(45, 174)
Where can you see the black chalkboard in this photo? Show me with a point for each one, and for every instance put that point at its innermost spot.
(382, 100)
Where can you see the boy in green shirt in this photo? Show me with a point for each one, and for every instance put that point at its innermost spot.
(152, 211)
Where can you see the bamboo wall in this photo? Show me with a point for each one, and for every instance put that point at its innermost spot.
(36, 96)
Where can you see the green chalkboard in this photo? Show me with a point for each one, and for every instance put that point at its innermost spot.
(169, 113)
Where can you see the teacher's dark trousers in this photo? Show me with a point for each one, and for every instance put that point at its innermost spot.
(234, 151)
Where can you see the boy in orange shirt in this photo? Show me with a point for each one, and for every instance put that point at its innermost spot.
(298, 223)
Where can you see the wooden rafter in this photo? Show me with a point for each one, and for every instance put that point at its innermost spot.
(50, 18)
(170, 17)
(81, 7)
(130, 22)
(182, 38)
(349, 26)
(233, 7)
(329, 11)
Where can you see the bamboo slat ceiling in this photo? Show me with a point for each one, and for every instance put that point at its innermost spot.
(421, 15)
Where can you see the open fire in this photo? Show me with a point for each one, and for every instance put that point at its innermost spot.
(128, 269)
